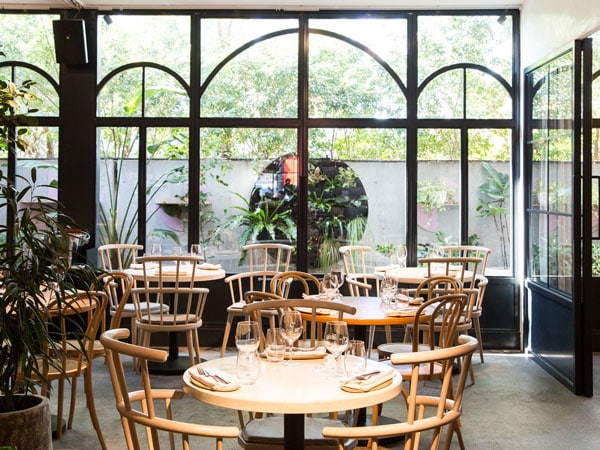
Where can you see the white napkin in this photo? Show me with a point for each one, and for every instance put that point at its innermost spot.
(301, 353)
(378, 381)
(136, 266)
(408, 299)
(322, 296)
(212, 383)
(402, 312)
(385, 268)
(209, 266)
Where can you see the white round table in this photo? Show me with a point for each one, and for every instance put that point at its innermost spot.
(293, 391)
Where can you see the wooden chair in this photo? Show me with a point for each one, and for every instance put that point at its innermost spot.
(462, 268)
(470, 251)
(115, 259)
(424, 411)
(118, 256)
(295, 283)
(238, 284)
(361, 281)
(268, 256)
(147, 396)
(482, 282)
(266, 433)
(78, 322)
(170, 282)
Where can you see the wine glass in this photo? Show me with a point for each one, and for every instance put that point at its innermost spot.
(355, 358)
(247, 336)
(291, 325)
(337, 280)
(336, 341)
(388, 287)
(401, 255)
(156, 250)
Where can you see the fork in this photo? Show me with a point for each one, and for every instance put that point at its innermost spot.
(366, 376)
(211, 373)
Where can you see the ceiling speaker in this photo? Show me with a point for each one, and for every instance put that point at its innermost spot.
(69, 41)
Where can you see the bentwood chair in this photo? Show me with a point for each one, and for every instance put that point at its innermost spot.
(361, 281)
(425, 412)
(268, 256)
(470, 251)
(147, 416)
(266, 432)
(78, 322)
(238, 284)
(118, 256)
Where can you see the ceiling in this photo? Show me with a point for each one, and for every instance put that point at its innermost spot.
(266, 4)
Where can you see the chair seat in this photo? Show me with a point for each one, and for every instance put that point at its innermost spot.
(385, 350)
(267, 433)
(170, 319)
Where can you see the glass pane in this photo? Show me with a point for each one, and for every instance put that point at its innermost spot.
(120, 97)
(486, 97)
(490, 194)
(438, 188)
(167, 197)
(161, 39)
(249, 178)
(356, 85)
(446, 40)
(164, 96)
(357, 193)
(118, 191)
(538, 247)
(40, 153)
(385, 37)
(221, 37)
(262, 81)
(442, 97)
(46, 98)
(560, 253)
(29, 38)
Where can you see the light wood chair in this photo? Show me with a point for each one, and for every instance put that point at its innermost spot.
(114, 259)
(268, 256)
(462, 268)
(266, 432)
(78, 320)
(295, 283)
(470, 251)
(361, 281)
(424, 411)
(147, 416)
(170, 281)
(237, 285)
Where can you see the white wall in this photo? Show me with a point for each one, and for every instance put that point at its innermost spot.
(549, 25)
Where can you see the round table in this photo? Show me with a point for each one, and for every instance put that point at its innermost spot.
(293, 391)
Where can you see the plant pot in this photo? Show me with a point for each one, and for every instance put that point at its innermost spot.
(27, 428)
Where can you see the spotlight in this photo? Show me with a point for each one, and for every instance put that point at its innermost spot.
(501, 19)
(107, 19)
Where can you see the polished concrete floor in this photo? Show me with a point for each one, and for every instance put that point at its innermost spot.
(513, 404)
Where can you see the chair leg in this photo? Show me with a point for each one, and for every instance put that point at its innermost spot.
(478, 336)
(89, 394)
(59, 407)
(134, 339)
(371, 339)
(73, 400)
(388, 334)
(189, 337)
(226, 333)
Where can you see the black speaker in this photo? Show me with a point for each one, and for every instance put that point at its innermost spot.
(69, 41)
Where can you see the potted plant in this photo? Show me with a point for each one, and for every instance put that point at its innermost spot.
(34, 249)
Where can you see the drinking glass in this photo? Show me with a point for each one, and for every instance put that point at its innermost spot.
(336, 341)
(328, 287)
(196, 250)
(275, 346)
(355, 358)
(247, 367)
(291, 324)
(388, 287)
(247, 336)
(337, 280)
(156, 250)
(401, 255)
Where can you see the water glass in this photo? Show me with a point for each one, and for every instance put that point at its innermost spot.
(196, 250)
(156, 250)
(328, 287)
(388, 287)
(247, 367)
(176, 251)
(336, 341)
(355, 358)
(275, 346)
(247, 336)
(401, 255)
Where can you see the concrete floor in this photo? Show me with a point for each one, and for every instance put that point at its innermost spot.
(514, 404)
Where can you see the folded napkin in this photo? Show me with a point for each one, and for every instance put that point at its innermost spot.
(307, 353)
(402, 312)
(209, 266)
(381, 380)
(408, 299)
(136, 266)
(385, 268)
(213, 383)
(322, 296)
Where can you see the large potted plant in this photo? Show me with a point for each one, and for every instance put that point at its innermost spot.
(34, 256)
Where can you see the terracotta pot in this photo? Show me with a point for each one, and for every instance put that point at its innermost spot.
(28, 428)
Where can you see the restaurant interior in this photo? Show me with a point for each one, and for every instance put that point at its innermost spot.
(364, 142)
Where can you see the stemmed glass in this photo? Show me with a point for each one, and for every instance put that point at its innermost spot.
(291, 326)
(389, 288)
(337, 279)
(336, 341)
(401, 255)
